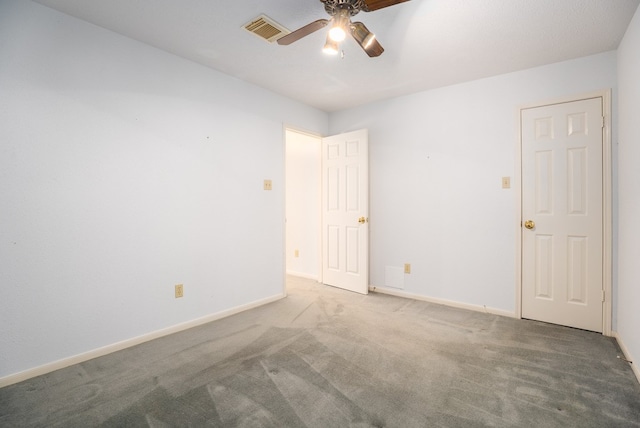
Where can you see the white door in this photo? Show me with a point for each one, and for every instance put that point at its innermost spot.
(345, 211)
(562, 209)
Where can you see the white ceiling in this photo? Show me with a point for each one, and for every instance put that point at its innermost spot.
(428, 43)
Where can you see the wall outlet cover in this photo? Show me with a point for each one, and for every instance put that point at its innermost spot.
(179, 289)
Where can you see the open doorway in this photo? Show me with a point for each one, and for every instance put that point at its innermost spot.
(327, 220)
(303, 204)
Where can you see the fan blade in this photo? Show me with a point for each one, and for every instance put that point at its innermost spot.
(371, 5)
(303, 31)
(366, 39)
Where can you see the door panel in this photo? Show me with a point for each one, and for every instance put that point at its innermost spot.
(543, 267)
(345, 200)
(562, 255)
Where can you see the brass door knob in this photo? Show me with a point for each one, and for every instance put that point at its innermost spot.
(529, 224)
(362, 220)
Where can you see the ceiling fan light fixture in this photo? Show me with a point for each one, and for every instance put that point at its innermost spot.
(337, 34)
(330, 50)
(338, 31)
(330, 47)
(366, 43)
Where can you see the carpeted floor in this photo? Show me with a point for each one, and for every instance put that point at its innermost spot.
(324, 357)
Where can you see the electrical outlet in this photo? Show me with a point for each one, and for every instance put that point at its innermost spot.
(179, 291)
(296, 253)
(268, 185)
(407, 268)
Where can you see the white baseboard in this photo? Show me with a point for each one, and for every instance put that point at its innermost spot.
(451, 303)
(95, 353)
(627, 355)
(302, 275)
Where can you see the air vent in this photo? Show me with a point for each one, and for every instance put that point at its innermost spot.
(266, 28)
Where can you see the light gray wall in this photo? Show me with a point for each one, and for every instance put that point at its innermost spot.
(628, 180)
(436, 163)
(125, 170)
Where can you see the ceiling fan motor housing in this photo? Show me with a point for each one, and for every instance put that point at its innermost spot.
(332, 7)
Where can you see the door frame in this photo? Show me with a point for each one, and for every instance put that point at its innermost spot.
(607, 187)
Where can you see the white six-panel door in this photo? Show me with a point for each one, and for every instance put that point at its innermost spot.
(562, 209)
(345, 205)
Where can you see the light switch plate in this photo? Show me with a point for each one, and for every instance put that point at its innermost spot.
(506, 182)
(268, 185)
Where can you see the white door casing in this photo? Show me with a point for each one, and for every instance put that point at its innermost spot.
(562, 194)
(345, 211)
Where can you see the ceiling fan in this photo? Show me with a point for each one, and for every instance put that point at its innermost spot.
(341, 12)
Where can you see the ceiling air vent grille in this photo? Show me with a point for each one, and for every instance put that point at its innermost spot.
(266, 28)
